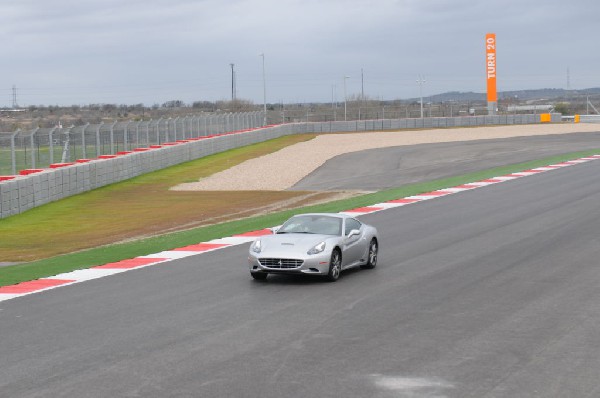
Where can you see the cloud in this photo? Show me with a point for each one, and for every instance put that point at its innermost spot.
(156, 50)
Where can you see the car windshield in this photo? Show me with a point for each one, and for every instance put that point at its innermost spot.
(312, 224)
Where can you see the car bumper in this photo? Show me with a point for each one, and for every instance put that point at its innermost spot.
(317, 264)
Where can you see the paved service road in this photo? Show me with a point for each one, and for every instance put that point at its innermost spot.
(378, 169)
(487, 293)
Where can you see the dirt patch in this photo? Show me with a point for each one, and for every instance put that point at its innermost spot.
(263, 207)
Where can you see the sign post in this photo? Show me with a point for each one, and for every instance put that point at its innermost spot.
(490, 64)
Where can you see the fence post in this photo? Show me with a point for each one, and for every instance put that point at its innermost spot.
(148, 132)
(51, 144)
(158, 130)
(84, 149)
(137, 133)
(175, 127)
(112, 140)
(136, 143)
(98, 139)
(33, 147)
(125, 135)
(63, 159)
(13, 154)
(168, 132)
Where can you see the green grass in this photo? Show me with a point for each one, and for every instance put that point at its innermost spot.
(141, 206)
(85, 259)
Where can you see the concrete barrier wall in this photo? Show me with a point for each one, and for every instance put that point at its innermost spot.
(21, 193)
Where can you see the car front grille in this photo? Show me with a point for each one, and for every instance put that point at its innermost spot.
(280, 263)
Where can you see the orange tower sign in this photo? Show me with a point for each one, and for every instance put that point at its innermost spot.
(490, 65)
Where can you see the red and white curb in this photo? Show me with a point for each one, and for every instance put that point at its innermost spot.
(100, 271)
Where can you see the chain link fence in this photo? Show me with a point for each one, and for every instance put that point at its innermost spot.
(42, 147)
(43, 185)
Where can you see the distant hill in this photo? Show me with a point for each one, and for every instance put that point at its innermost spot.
(523, 95)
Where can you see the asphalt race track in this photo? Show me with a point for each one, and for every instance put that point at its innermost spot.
(491, 292)
(378, 169)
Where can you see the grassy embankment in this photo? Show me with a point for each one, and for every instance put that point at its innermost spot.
(65, 235)
(142, 206)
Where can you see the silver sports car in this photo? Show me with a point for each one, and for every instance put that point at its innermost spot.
(314, 244)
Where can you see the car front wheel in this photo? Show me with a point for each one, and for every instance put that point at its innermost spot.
(335, 266)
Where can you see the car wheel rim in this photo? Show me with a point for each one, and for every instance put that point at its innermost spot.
(335, 266)
(373, 254)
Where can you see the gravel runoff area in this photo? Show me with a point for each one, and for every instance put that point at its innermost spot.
(283, 169)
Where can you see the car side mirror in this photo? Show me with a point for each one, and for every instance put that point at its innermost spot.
(275, 229)
(354, 232)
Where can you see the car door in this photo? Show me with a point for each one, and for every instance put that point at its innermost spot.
(353, 246)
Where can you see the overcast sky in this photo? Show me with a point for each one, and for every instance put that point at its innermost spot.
(64, 52)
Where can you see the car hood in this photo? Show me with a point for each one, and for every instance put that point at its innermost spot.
(292, 243)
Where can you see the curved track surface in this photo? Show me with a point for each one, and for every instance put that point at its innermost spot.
(378, 169)
(487, 293)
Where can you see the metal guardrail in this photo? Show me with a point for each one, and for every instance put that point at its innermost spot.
(581, 118)
(589, 118)
(41, 147)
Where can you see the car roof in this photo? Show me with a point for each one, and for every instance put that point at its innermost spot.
(336, 215)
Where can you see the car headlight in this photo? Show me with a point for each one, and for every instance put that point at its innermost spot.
(256, 246)
(318, 248)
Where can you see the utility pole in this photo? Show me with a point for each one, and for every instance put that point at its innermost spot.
(264, 90)
(233, 93)
(15, 105)
(362, 92)
(420, 82)
(345, 98)
(362, 85)
(333, 102)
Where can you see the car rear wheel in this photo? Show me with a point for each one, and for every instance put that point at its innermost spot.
(372, 256)
(259, 276)
(335, 266)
